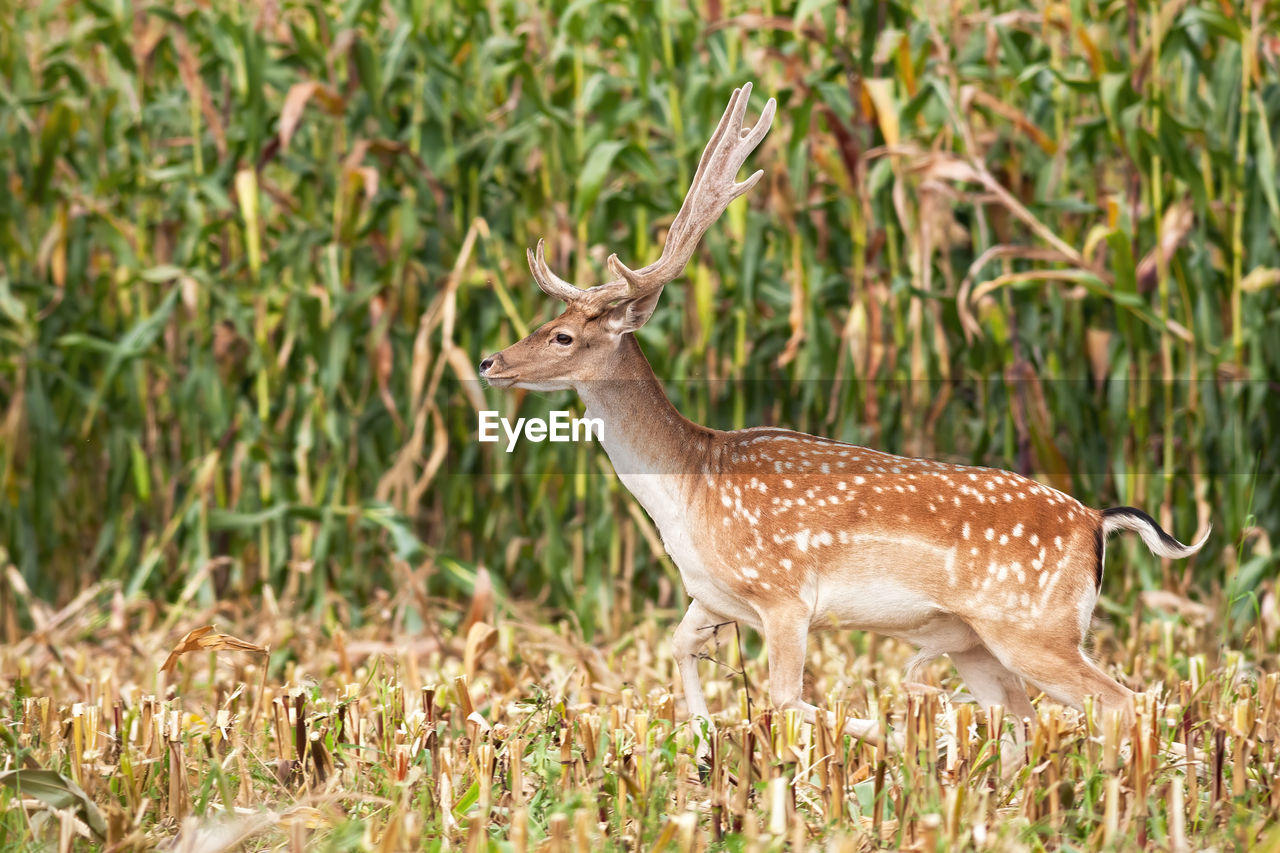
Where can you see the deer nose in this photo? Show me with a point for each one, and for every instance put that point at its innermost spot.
(486, 364)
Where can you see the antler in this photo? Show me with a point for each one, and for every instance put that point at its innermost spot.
(551, 284)
(714, 187)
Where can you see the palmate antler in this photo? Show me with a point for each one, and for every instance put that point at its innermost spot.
(714, 186)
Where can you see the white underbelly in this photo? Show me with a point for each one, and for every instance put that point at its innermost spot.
(893, 610)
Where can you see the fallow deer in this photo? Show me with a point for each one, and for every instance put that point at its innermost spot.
(789, 533)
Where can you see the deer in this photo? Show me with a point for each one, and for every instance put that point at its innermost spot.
(789, 533)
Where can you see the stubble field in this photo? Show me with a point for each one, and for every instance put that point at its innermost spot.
(527, 737)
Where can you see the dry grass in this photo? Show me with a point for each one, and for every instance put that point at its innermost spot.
(528, 737)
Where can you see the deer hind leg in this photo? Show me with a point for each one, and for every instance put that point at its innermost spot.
(786, 635)
(992, 683)
(1062, 671)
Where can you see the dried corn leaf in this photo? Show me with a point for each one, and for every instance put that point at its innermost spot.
(1170, 602)
(1174, 228)
(480, 638)
(295, 103)
(204, 639)
(1260, 278)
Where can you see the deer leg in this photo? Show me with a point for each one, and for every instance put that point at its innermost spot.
(786, 634)
(1069, 676)
(992, 683)
(1065, 674)
(693, 632)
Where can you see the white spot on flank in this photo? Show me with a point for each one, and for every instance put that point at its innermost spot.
(991, 534)
(786, 483)
(1017, 529)
(1035, 539)
(786, 564)
(1004, 539)
(802, 539)
(858, 481)
(1057, 541)
(964, 531)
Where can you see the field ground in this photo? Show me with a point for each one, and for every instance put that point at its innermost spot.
(524, 736)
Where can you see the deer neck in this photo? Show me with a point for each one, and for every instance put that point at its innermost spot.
(644, 434)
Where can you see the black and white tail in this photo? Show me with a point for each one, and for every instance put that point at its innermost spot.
(1160, 543)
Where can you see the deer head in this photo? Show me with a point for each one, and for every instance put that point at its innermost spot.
(579, 345)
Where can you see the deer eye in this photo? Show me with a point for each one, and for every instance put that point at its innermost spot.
(563, 339)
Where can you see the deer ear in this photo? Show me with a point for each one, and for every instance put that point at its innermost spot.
(630, 314)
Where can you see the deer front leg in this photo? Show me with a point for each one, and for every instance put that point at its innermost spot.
(693, 632)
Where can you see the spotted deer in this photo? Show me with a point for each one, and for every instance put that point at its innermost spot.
(790, 533)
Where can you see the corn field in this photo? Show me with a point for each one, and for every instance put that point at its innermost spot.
(250, 255)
